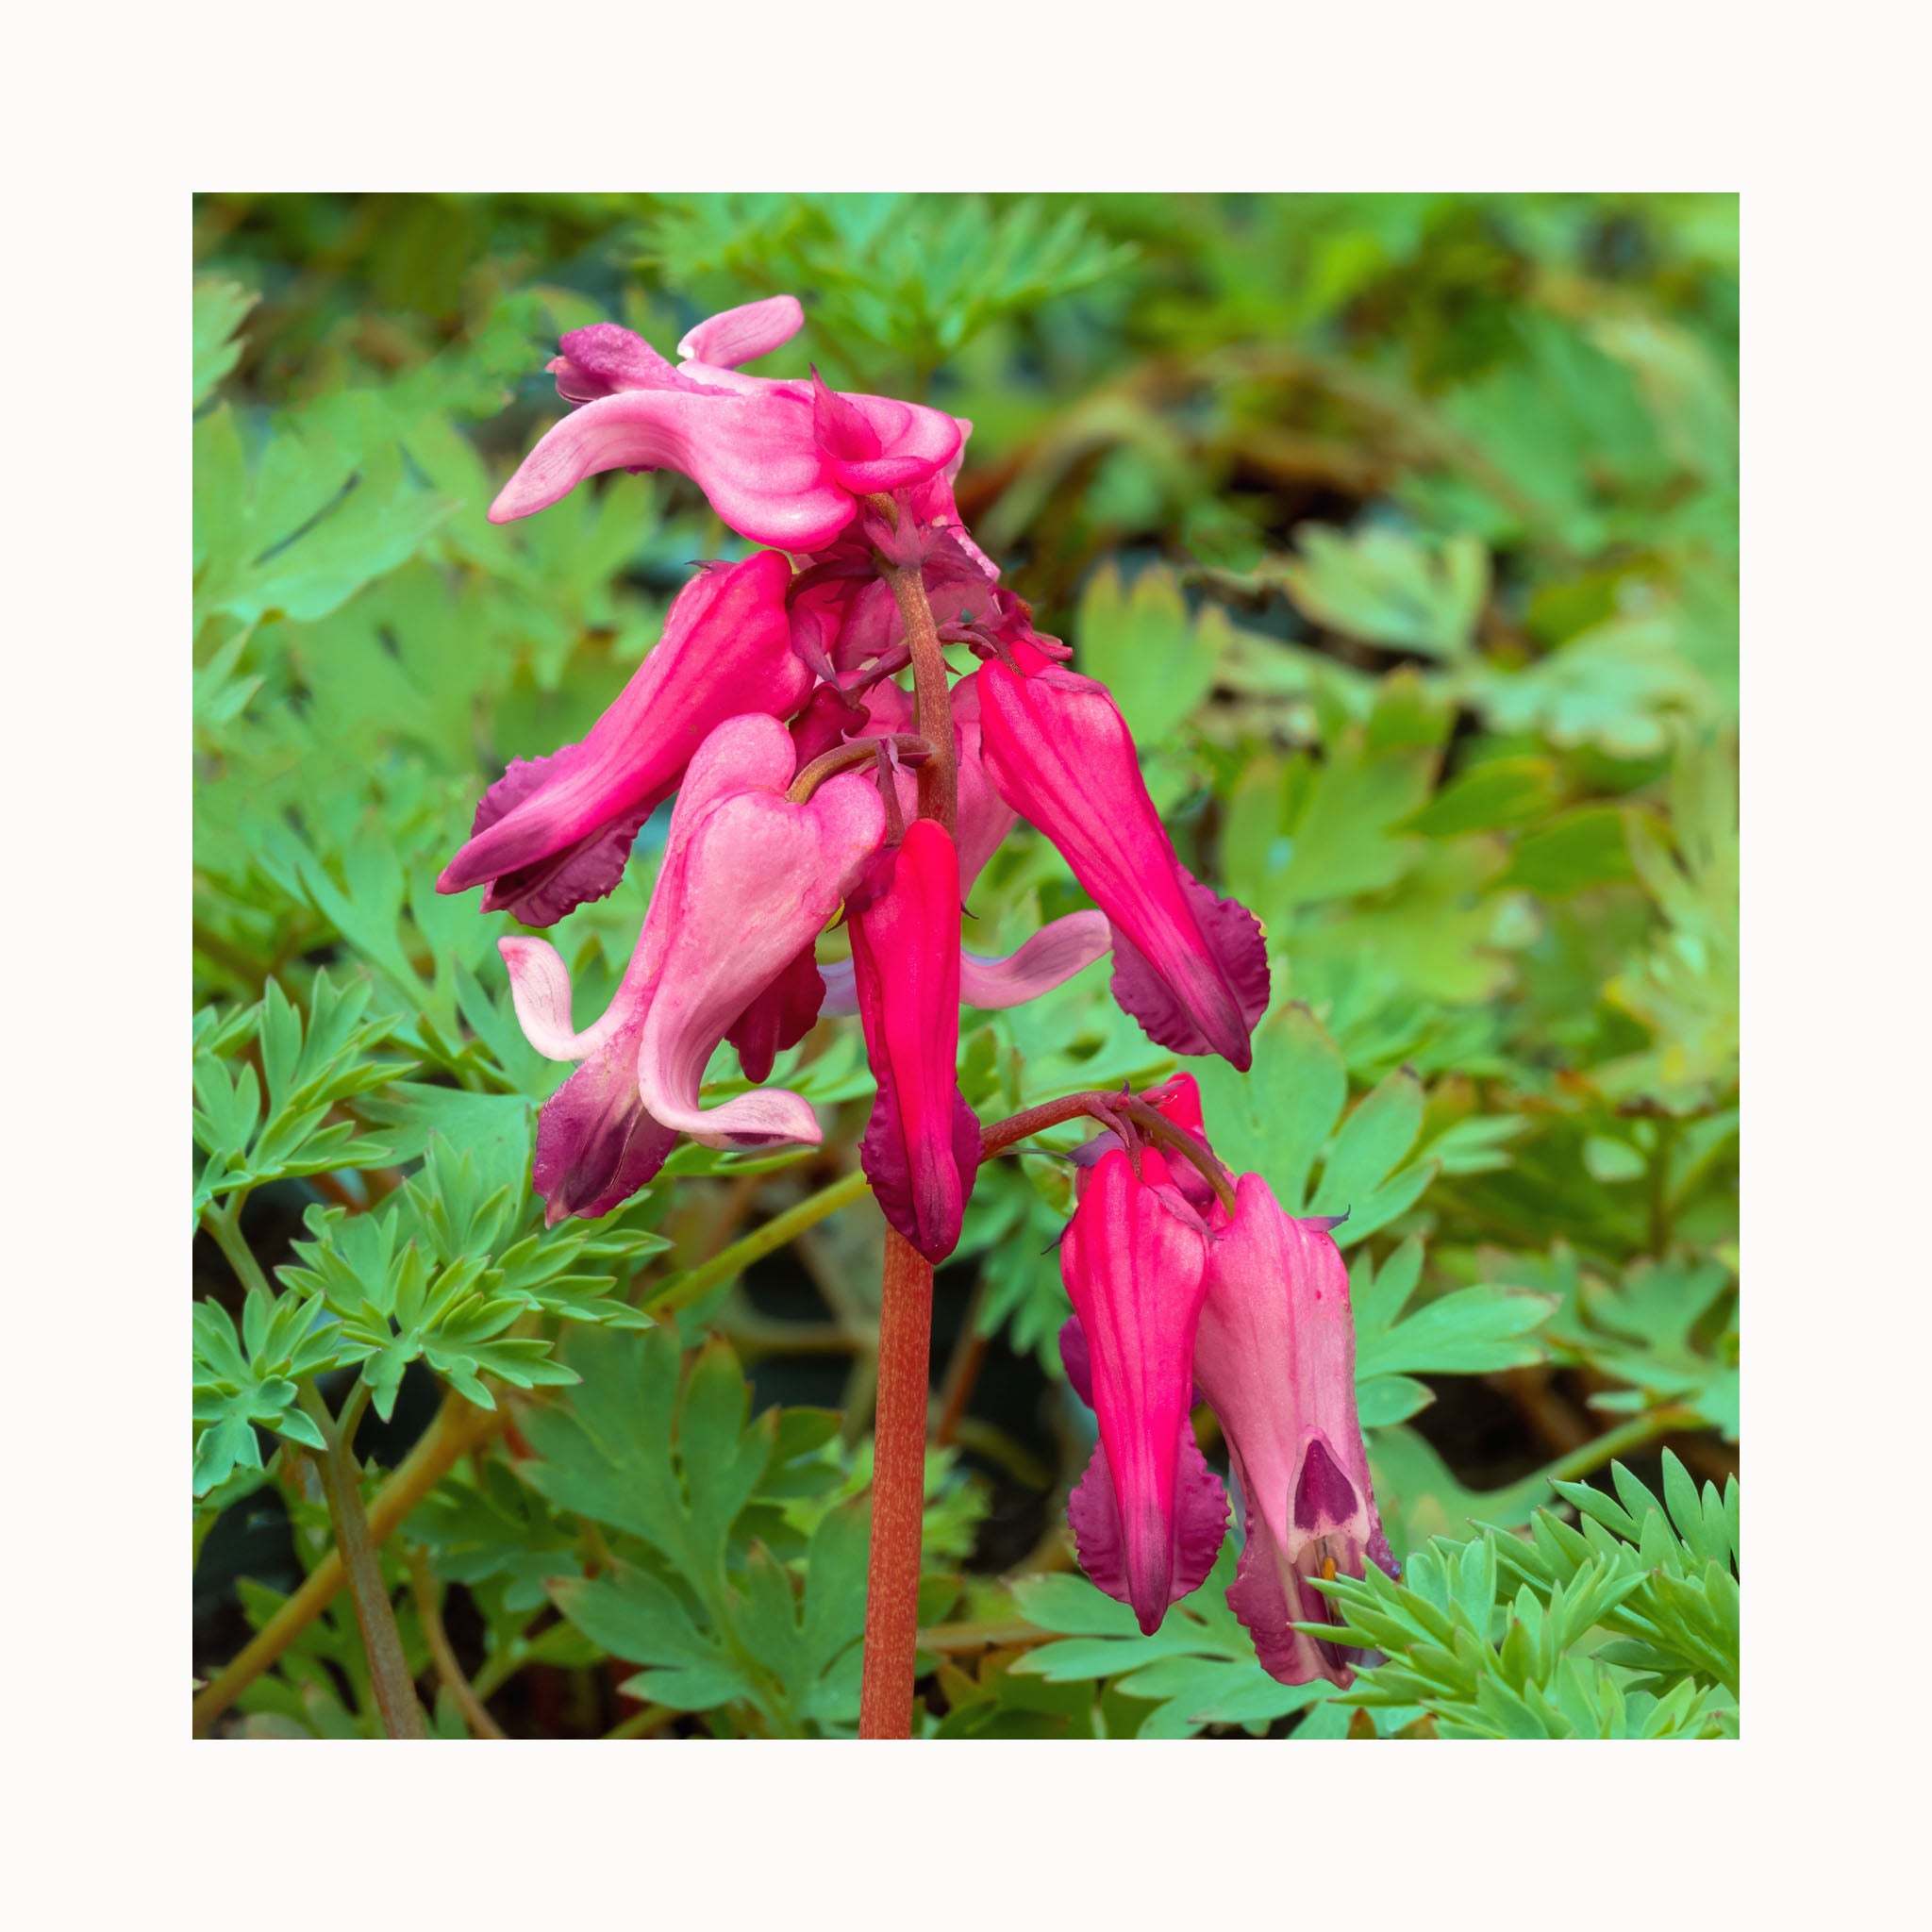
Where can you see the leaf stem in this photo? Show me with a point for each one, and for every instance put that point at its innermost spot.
(458, 1426)
(682, 1289)
(448, 1669)
(1599, 1450)
(642, 1724)
(375, 1616)
(341, 1487)
(501, 1667)
(962, 1370)
(898, 1491)
(225, 1224)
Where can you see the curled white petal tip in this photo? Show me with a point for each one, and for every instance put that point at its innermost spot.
(769, 1117)
(1052, 956)
(539, 989)
(742, 334)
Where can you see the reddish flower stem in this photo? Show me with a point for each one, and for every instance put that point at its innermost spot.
(1001, 1135)
(932, 703)
(1109, 1109)
(848, 757)
(1156, 1126)
(898, 1492)
(905, 1358)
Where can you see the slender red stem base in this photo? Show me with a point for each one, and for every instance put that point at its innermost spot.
(898, 1492)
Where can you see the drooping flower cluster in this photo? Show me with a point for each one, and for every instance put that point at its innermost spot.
(1178, 1297)
(800, 771)
(808, 782)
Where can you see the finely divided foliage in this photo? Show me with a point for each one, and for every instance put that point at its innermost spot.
(1485, 1661)
(1394, 540)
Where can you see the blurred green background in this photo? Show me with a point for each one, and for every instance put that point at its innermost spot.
(1405, 530)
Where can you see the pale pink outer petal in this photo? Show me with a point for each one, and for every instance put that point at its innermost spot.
(752, 752)
(1051, 958)
(760, 878)
(744, 333)
(748, 752)
(599, 1139)
(753, 456)
(1275, 1355)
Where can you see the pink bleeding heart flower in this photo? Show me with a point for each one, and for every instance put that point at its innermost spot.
(748, 878)
(984, 818)
(781, 465)
(932, 505)
(553, 832)
(779, 1017)
(921, 1150)
(1190, 967)
(846, 623)
(787, 1011)
(718, 345)
(1054, 954)
(1275, 1355)
(1058, 950)
(1178, 1100)
(1149, 1515)
(827, 719)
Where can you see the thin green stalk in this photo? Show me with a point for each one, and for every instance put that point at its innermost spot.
(499, 1669)
(459, 1426)
(1593, 1454)
(225, 1224)
(375, 1616)
(448, 1668)
(353, 1411)
(642, 1724)
(686, 1287)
